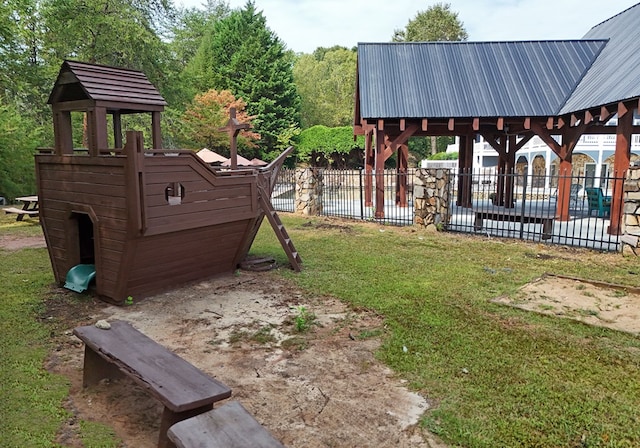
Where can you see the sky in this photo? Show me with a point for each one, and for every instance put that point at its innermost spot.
(304, 25)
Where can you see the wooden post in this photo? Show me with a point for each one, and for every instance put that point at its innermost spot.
(369, 160)
(62, 132)
(465, 170)
(622, 161)
(510, 163)
(379, 168)
(401, 176)
(156, 133)
(117, 130)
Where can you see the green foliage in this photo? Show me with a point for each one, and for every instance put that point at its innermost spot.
(19, 137)
(326, 84)
(437, 23)
(420, 147)
(303, 319)
(242, 55)
(121, 33)
(444, 156)
(31, 398)
(332, 144)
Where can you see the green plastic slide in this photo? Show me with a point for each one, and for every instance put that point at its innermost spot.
(79, 277)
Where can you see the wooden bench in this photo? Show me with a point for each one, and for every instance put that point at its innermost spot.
(227, 426)
(20, 212)
(183, 389)
(513, 215)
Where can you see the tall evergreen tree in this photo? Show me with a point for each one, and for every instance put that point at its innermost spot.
(242, 55)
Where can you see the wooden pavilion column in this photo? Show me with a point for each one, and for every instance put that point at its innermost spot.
(379, 169)
(510, 169)
(564, 151)
(499, 143)
(385, 147)
(465, 171)
(622, 162)
(507, 147)
(401, 175)
(369, 160)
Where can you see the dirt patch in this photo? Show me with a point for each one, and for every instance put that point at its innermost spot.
(319, 388)
(605, 305)
(10, 242)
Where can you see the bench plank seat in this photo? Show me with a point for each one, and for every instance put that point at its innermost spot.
(20, 211)
(513, 215)
(183, 389)
(227, 426)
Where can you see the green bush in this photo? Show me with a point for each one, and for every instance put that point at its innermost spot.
(319, 142)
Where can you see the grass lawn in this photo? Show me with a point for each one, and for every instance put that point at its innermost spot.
(495, 376)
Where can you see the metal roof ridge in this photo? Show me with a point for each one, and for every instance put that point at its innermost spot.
(479, 42)
(582, 76)
(612, 17)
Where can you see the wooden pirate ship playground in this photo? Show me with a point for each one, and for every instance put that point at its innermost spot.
(146, 219)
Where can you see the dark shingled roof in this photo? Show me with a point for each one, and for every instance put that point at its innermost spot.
(501, 79)
(82, 81)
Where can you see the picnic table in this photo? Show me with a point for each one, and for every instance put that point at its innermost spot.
(29, 207)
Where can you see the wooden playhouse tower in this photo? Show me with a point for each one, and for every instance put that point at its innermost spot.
(148, 220)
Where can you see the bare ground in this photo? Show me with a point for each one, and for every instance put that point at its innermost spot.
(594, 303)
(320, 388)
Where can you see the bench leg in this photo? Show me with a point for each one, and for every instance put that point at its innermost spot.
(169, 418)
(547, 229)
(96, 368)
(477, 225)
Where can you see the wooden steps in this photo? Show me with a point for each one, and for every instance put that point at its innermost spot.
(280, 231)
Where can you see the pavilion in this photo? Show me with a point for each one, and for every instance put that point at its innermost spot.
(508, 92)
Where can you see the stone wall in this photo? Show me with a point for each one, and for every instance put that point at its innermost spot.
(631, 213)
(431, 197)
(308, 199)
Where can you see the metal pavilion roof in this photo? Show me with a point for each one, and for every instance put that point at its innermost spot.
(615, 75)
(501, 79)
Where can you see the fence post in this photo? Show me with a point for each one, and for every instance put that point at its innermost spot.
(308, 199)
(431, 198)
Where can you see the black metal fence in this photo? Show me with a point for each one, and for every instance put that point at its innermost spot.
(344, 196)
(532, 214)
(284, 193)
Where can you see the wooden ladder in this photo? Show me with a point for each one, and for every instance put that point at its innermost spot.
(281, 232)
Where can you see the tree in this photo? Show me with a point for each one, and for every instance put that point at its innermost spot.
(208, 113)
(190, 27)
(242, 55)
(121, 33)
(437, 23)
(326, 84)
